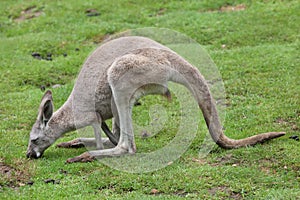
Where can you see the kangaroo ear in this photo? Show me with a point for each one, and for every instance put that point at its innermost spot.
(46, 107)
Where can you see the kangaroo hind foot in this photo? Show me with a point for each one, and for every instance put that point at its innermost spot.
(85, 142)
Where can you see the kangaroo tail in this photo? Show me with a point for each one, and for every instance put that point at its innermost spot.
(189, 76)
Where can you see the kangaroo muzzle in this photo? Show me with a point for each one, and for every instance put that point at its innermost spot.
(33, 154)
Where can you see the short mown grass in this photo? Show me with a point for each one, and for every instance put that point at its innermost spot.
(254, 44)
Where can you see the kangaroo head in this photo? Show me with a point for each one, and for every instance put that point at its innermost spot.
(40, 135)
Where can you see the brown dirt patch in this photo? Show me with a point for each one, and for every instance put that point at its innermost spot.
(29, 13)
(223, 189)
(13, 176)
(288, 122)
(227, 159)
(229, 8)
(239, 7)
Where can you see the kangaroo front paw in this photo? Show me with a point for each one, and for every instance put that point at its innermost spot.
(71, 144)
(85, 157)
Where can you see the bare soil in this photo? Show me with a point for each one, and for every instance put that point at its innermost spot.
(29, 13)
(12, 177)
(239, 7)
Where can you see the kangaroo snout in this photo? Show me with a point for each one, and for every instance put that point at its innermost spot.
(33, 154)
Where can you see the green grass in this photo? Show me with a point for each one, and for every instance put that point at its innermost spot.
(259, 66)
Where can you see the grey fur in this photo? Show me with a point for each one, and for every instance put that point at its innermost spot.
(112, 78)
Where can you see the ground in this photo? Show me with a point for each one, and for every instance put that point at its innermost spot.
(255, 46)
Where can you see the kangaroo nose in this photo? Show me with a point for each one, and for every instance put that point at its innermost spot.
(31, 154)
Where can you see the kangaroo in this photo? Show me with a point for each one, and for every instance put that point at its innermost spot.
(113, 77)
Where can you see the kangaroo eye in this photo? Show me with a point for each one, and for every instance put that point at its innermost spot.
(34, 139)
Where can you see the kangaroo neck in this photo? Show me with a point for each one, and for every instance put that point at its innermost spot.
(62, 121)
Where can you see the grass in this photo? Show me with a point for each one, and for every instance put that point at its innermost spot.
(259, 64)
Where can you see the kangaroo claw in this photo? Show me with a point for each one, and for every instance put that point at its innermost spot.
(85, 157)
(71, 144)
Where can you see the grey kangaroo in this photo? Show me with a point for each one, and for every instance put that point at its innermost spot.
(114, 76)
